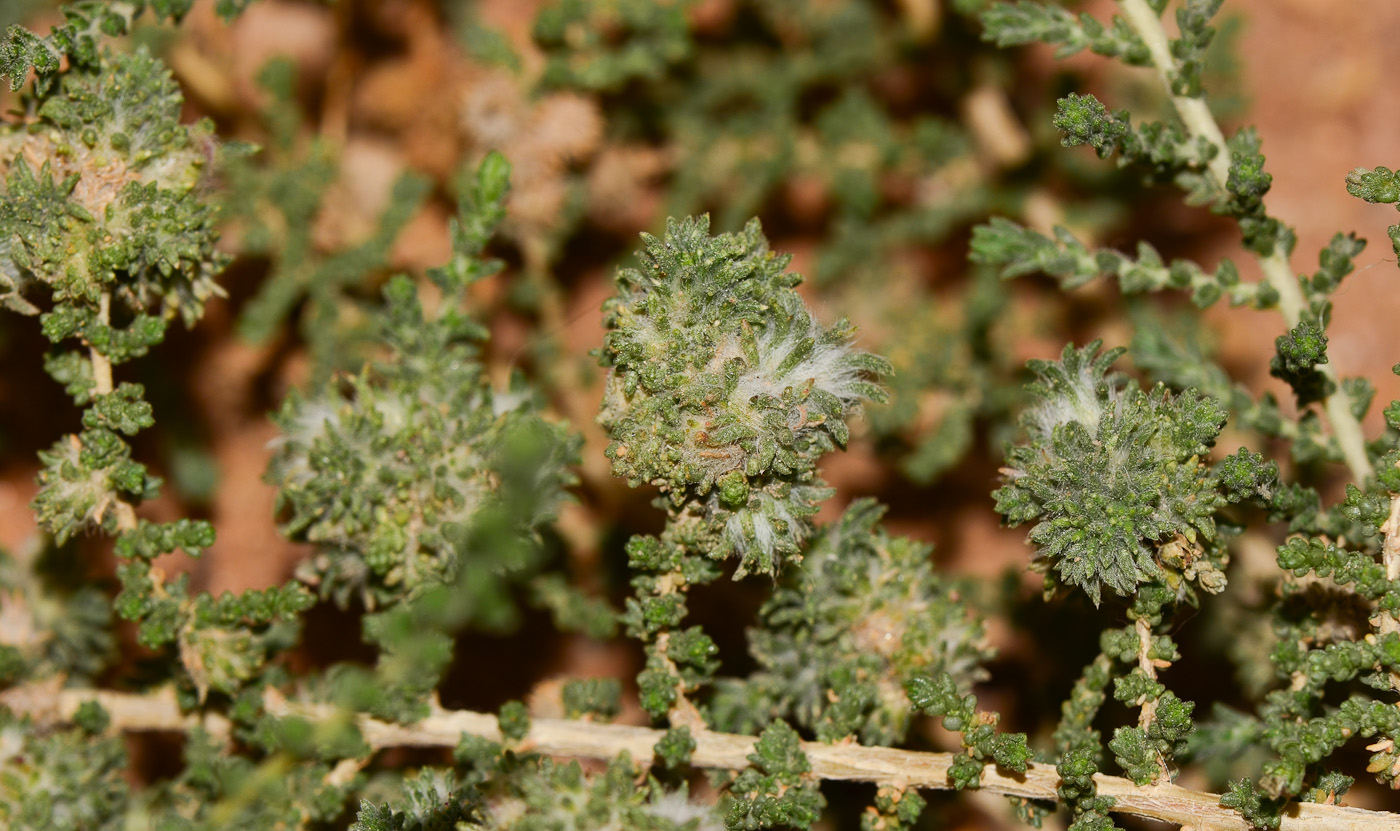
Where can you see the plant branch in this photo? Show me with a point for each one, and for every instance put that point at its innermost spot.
(846, 762)
(683, 713)
(1390, 558)
(1149, 669)
(1148, 715)
(101, 364)
(1195, 115)
(102, 385)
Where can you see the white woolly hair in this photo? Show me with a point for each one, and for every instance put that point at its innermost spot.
(1079, 402)
(505, 400)
(313, 418)
(826, 366)
(393, 411)
(765, 536)
(673, 806)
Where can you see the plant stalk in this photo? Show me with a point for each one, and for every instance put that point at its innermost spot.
(159, 711)
(101, 364)
(1148, 714)
(1385, 622)
(1196, 117)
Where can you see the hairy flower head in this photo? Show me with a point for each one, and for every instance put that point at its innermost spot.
(724, 388)
(845, 632)
(389, 476)
(1112, 475)
(100, 194)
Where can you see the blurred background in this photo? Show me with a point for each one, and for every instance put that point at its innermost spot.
(868, 135)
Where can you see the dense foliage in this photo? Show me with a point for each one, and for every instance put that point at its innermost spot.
(441, 443)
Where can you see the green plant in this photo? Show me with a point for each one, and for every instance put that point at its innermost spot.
(432, 477)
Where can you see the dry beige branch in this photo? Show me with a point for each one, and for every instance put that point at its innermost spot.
(1385, 622)
(848, 762)
(1196, 117)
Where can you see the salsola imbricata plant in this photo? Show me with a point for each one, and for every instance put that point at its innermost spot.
(441, 480)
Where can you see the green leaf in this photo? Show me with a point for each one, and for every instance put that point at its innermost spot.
(1381, 185)
(1244, 797)
(675, 748)
(1085, 120)
(1297, 354)
(1110, 473)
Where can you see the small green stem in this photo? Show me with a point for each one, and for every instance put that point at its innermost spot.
(683, 713)
(1149, 708)
(1144, 633)
(102, 385)
(1195, 115)
(101, 365)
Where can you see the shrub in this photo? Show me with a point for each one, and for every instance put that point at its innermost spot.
(443, 481)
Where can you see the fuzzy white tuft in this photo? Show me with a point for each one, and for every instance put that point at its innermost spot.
(314, 419)
(674, 806)
(1079, 402)
(827, 367)
(765, 535)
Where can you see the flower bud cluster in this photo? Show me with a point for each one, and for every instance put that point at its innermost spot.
(100, 186)
(388, 475)
(725, 390)
(1116, 479)
(848, 629)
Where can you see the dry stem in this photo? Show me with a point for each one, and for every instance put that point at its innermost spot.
(101, 365)
(102, 385)
(683, 713)
(1278, 271)
(1149, 708)
(847, 762)
(1390, 557)
(1144, 633)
